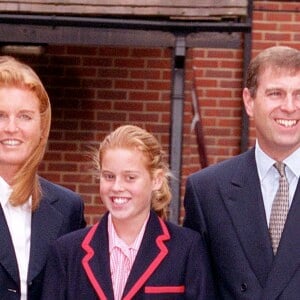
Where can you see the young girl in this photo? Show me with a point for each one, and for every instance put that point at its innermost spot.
(132, 253)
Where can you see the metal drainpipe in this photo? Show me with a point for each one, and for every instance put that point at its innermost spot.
(246, 61)
(177, 125)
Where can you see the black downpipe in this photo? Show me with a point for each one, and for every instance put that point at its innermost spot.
(177, 106)
(246, 61)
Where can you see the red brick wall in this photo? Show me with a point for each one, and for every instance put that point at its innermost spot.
(217, 74)
(95, 89)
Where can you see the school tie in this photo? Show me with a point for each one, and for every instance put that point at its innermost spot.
(280, 207)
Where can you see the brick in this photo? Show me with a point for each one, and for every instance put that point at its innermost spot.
(94, 89)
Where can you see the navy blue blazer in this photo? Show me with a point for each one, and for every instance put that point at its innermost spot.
(224, 203)
(170, 264)
(60, 211)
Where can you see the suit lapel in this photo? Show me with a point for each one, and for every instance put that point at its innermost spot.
(244, 202)
(7, 253)
(96, 260)
(288, 255)
(149, 257)
(45, 225)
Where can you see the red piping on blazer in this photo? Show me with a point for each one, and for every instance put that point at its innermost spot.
(85, 262)
(163, 252)
(90, 253)
(164, 289)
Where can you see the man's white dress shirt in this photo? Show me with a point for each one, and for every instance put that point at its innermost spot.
(269, 176)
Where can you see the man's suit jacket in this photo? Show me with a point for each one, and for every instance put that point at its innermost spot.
(224, 203)
(170, 264)
(60, 211)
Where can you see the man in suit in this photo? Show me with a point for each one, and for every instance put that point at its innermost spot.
(33, 211)
(230, 203)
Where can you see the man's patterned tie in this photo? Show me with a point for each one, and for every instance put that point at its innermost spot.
(280, 207)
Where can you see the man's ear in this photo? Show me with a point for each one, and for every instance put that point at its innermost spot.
(248, 102)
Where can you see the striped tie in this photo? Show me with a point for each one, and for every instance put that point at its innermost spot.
(280, 207)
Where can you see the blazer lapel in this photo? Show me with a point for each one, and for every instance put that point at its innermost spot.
(96, 260)
(45, 225)
(288, 254)
(244, 202)
(7, 253)
(150, 255)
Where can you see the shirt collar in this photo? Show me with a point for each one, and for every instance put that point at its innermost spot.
(265, 163)
(115, 241)
(293, 162)
(5, 192)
